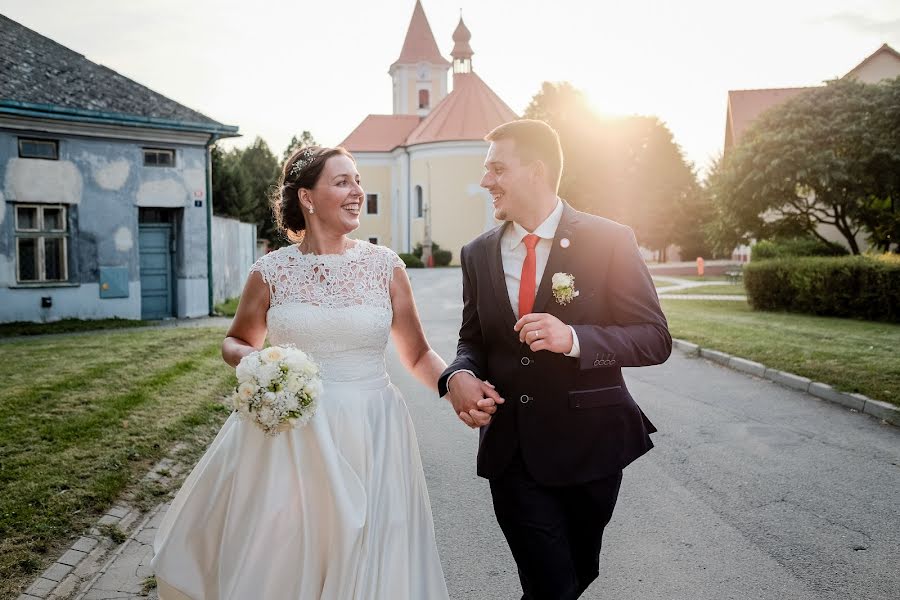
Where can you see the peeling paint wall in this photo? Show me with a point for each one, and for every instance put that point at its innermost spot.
(104, 184)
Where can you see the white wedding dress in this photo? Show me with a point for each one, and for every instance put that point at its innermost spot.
(337, 509)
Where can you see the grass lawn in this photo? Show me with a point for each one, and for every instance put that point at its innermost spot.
(850, 355)
(20, 328)
(718, 290)
(228, 308)
(83, 418)
(662, 284)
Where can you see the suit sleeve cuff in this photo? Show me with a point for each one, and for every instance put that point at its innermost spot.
(449, 377)
(575, 352)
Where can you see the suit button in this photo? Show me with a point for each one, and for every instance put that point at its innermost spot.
(525, 398)
(526, 361)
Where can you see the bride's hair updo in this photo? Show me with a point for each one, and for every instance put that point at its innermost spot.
(301, 170)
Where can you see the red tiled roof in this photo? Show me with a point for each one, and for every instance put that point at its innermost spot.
(469, 112)
(380, 133)
(745, 106)
(419, 45)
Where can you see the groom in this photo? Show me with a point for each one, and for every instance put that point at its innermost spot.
(554, 451)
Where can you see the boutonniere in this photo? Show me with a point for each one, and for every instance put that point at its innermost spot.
(563, 285)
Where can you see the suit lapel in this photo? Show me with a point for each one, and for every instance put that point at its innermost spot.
(559, 256)
(498, 277)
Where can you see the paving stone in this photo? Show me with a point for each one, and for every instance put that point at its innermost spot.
(118, 511)
(41, 587)
(108, 520)
(57, 572)
(71, 557)
(715, 356)
(882, 410)
(747, 366)
(686, 347)
(84, 544)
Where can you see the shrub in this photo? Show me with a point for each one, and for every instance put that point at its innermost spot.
(862, 287)
(442, 258)
(411, 261)
(799, 246)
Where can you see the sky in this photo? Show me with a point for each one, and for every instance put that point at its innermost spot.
(278, 67)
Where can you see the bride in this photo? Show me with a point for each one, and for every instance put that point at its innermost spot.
(337, 509)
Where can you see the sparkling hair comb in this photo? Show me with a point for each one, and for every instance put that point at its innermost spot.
(304, 160)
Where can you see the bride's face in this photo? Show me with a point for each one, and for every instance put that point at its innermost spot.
(337, 196)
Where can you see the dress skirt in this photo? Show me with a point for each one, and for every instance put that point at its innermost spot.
(335, 510)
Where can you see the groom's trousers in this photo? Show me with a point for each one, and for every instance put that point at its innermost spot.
(554, 533)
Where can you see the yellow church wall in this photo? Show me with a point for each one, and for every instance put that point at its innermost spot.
(458, 206)
(376, 179)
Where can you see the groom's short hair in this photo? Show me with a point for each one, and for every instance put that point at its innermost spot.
(535, 140)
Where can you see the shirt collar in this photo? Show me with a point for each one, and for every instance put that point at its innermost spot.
(545, 231)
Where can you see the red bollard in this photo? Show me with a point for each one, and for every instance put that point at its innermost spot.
(700, 266)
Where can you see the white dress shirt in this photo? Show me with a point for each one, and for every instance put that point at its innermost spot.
(513, 252)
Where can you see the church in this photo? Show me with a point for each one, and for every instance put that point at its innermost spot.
(421, 166)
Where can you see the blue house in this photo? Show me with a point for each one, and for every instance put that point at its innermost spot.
(104, 190)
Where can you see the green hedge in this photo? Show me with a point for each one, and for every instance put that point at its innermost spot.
(863, 287)
(802, 246)
(442, 257)
(412, 261)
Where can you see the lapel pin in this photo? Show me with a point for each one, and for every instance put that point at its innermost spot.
(564, 243)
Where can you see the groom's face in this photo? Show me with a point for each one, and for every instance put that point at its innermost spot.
(509, 181)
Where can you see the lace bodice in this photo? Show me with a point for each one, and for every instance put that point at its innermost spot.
(336, 307)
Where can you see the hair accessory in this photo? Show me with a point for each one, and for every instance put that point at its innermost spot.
(304, 160)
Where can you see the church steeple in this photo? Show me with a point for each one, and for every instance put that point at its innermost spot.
(462, 51)
(420, 73)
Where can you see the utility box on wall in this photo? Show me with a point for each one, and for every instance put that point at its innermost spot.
(113, 282)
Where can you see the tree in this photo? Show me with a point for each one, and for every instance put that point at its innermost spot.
(825, 157)
(261, 169)
(229, 187)
(628, 169)
(305, 139)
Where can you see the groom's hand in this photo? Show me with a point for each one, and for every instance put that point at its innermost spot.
(542, 331)
(473, 400)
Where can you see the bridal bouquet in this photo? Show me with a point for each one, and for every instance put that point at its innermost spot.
(278, 388)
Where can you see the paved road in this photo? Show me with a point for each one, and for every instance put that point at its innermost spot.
(753, 491)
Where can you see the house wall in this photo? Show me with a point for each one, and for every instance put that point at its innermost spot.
(103, 183)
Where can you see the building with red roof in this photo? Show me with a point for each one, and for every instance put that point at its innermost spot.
(421, 165)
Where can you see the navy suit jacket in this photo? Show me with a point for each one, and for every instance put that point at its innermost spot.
(572, 419)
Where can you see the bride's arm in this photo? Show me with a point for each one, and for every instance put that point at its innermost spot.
(409, 337)
(248, 329)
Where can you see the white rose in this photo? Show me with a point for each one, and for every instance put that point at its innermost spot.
(293, 383)
(561, 280)
(246, 390)
(247, 366)
(272, 354)
(266, 374)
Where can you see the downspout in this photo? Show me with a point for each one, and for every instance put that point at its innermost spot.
(209, 267)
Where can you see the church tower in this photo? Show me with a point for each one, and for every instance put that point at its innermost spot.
(420, 73)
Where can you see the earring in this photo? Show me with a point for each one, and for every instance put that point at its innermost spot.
(311, 210)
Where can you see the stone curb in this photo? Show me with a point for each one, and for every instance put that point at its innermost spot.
(857, 402)
(73, 573)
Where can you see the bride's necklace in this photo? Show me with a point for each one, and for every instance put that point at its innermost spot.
(306, 250)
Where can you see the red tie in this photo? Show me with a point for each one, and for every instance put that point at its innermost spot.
(526, 282)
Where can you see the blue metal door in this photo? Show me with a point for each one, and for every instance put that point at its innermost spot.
(156, 270)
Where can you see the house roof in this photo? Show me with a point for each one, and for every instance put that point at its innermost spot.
(39, 77)
(419, 45)
(469, 112)
(745, 106)
(884, 49)
(381, 133)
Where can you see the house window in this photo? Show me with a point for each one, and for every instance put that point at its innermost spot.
(423, 98)
(159, 157)
(373, 240)
(41, 243)
(420, 204)
(46, 149)
(371, 204)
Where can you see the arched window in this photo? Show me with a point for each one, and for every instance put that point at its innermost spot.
(423, 98)
(420, 206)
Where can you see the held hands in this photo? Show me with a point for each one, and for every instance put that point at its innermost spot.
(473, 400)
(542, 331)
